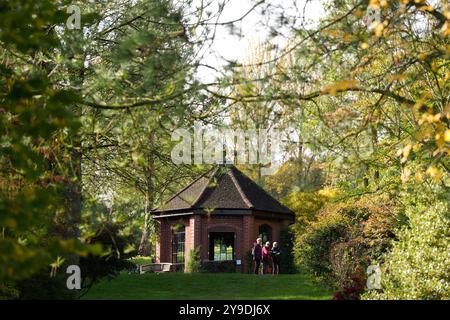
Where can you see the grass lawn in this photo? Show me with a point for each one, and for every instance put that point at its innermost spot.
(141, 260)
(205, 286)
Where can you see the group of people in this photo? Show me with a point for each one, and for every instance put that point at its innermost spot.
(266, 257)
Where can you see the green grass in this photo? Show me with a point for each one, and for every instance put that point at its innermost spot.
(141, 260)
(204, 286)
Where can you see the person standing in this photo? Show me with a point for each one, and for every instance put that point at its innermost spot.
(276, 258)
(266, 258)
(257, 254)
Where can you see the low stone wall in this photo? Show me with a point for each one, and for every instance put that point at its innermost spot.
(162, 267)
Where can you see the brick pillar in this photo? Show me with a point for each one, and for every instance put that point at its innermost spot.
(193, 236)
(164, 244)
(158, 241)
(198, 231)
(248, 239)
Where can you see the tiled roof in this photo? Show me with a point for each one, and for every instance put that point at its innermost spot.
(224, 187)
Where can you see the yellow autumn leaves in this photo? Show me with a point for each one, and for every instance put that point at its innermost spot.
(441, 139)
(340, 86)
(432, 127)
(447, 135)
(378, 27)
(432, 171)
(436, 123)
(446, 27)
(376, 4)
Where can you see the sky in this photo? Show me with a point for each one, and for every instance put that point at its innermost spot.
(231, 47)
(254, 29)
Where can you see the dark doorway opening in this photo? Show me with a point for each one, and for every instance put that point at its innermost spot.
(221, 246)
(265, 233)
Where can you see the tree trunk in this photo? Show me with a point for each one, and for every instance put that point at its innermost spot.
(72, 192)
(301, 176)
(144, 245)
(73, 199)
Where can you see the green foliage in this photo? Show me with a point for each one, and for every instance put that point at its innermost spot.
(35, 153)
(88, 114)
(126, 213)
(294, 177)
(346, 237)
(18, 23)
(193, 264)
(370, 119)
(306, 205)
(177, 226)
(8, 292)
(117, 249)
(40, 287)
(225, 266)
(250, 262)
(286, 243)
(418, 266)
(59, 90)
(140, 260)
(314, 247)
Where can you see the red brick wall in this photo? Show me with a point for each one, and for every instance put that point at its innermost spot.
(164, 242)
(160, 242)
(197, 228)
(218, 224)
(274, 224)
(193, 230)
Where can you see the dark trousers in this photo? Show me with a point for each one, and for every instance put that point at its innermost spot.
(265, 264)
(276, 267)
(257, 264)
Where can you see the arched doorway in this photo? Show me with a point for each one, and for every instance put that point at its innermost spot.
(222, 243)
(221, 246)
(265, 233)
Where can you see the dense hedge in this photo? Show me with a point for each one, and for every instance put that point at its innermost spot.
(343, 241)
(418, 266)
(219, 266)
(286, 242)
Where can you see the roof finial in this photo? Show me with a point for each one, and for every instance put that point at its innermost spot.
(227, 159)
(228, 162)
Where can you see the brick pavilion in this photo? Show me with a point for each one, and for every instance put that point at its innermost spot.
(222, 212)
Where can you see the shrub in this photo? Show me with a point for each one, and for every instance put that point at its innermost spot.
(344, 239)
(250, 262)
(117, 252)
(219, 266)
(40, 286)
(347, 259)
(287, 256)
(353, 288)
(8, 291)
(418, 266)
(313, 249)
(193, 265)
